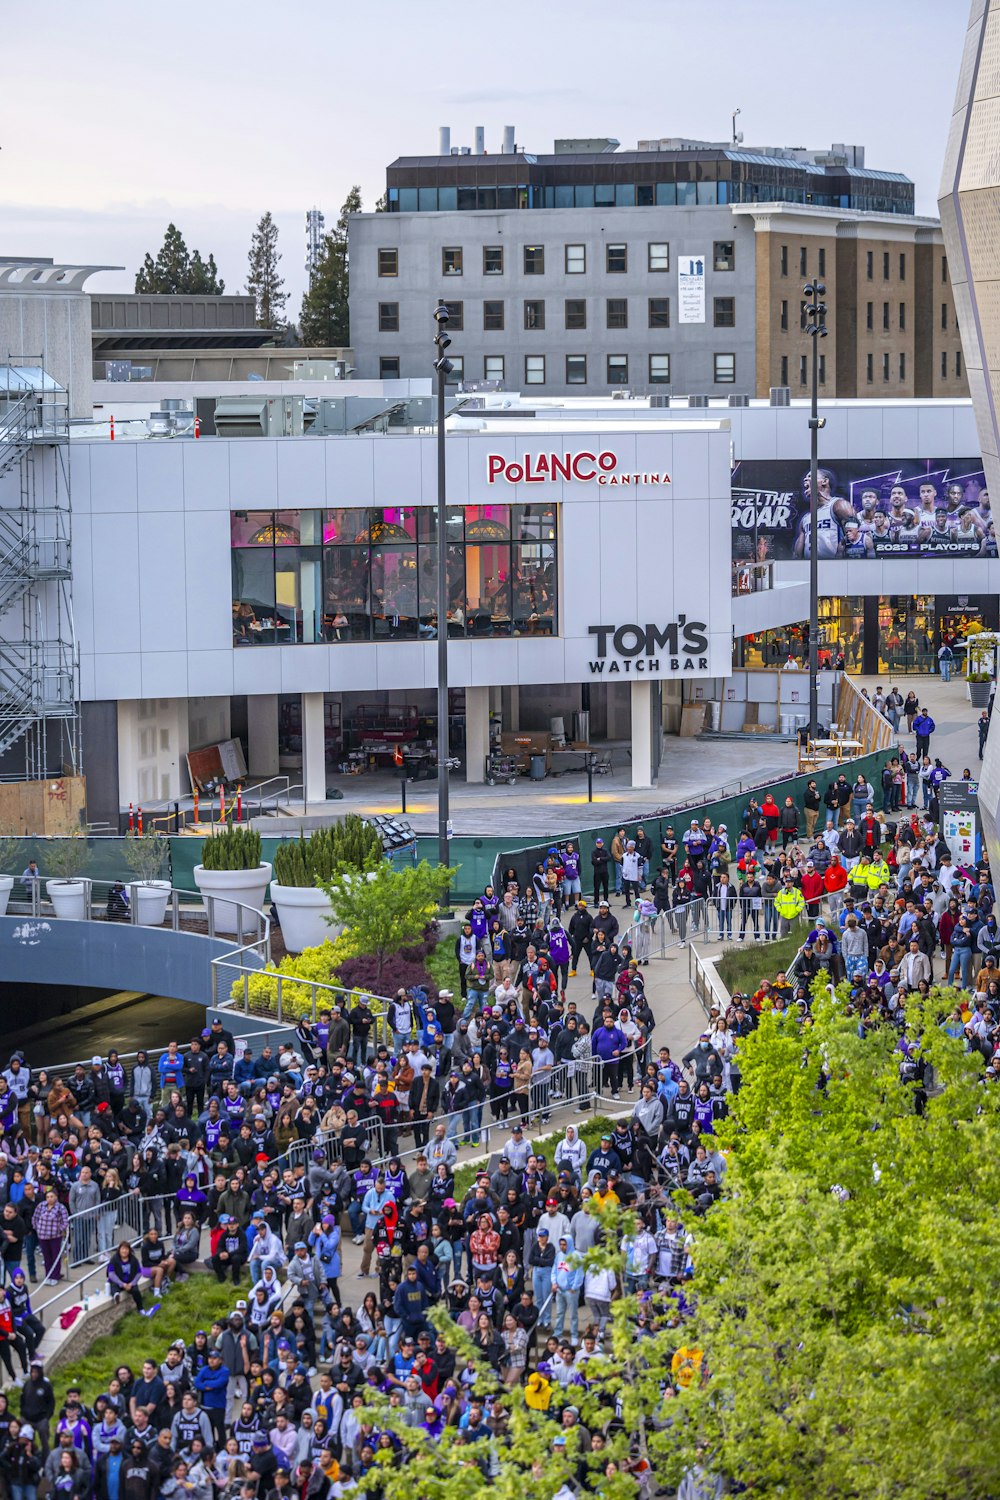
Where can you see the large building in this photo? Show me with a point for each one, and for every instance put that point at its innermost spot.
(675, 267)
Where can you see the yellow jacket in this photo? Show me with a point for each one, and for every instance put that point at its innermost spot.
(789, 902)
(537, 1392)
(878, 874)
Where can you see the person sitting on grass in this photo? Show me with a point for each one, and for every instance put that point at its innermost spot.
(156, 1264)
(124, 1273)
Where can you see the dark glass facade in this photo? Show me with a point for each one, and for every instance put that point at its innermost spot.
(636, 179)
(353, 574)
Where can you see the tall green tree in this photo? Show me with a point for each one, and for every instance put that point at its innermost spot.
(838, 1340)
(175, 269)
(388, 909)
(264, 281)
(325, 317)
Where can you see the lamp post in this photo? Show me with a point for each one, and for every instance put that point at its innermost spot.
(816, 323)
(443, 367)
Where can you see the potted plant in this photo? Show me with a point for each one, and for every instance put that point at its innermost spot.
(301, 864)
(145, 855)
(66, 860)
(231, 865)
(982, 646)
(8, 854)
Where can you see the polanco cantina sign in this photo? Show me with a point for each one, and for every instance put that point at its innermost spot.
(634, 648)
(587, 468)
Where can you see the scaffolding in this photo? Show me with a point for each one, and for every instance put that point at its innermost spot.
(39, 664)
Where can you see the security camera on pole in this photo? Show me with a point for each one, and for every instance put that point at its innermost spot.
(444, 367)
(816, 319)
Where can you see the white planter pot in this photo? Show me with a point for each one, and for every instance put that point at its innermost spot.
(301, 912)
(6, 886)
(69, 898)
(245, 886)
(149, 898)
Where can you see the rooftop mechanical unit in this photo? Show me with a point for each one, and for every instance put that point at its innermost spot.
(259, 416)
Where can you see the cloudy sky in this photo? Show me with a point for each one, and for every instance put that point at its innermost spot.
(118, 118)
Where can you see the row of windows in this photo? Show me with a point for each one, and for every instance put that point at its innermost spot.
(538, 369)
(821, 263)
(616, 314)
(804, 367)
(616, 259)
(886, 316)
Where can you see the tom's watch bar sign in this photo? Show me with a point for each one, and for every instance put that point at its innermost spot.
(636, 649)
(587, 468)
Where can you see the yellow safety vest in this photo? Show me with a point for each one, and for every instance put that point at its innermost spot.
(878, 874)
(789, 902)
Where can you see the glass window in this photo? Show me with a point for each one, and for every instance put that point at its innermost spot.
(724, 255)
(616, 312)
(644, 195)
(821, 257)
(885, 265)
(584, 195)
(493, 367)
(486, 197)
(388, 262)
(456, 316)
(617, 369)
(902, 365)
(427, 199)
(707, 193)
(869, 264)
(624, 195)
(534, 369)
(564, 195)
(394, 597)
(534, 314)
(783, 378)
(604, 195)
(576, 312)
(388, 317)
(576, 259)
(388, 367)
(487, 588)
(902, 315)
(466, 198)
(493, 317)
(534, 260)
(659, 312)
(885, 366)
(345, 594)
(407, 201)
(958, 363)
(576, 369)
(447, 199)
(725, 369)
(658, 256)
(254, 621)
(492, 260)
(687, 194)
(870, 368)
(428, 591)
(457, 373)
(666, 194)
(616, 259)
(803, 261)
(784, 260)
(725, 312)
(659, 369)
(451, 260)
(533, 585)
(944, 364)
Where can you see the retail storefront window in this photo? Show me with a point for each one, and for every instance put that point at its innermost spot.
(352, 574)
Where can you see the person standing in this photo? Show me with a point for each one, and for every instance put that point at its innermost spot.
(811, 804)
(923, 728)
(945, 658)
(893, 707)
(600, 859)
(983, 726)
(50, 1222)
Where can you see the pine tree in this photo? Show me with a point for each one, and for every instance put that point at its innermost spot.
(264, 283)
(175, 269)
(325, 317)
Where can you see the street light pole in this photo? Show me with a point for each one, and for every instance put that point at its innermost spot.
(443, 367)
(816, 317)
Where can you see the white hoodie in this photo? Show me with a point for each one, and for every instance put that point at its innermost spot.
(571, 1152)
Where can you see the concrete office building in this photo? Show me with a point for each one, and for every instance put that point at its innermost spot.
(676, 267)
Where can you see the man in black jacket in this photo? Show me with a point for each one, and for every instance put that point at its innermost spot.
(600, 860)
(194, 1071)
(38, 1404)
(581, 927)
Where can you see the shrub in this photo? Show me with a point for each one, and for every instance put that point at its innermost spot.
(234, 849)
(352, 845)
(145, 855)
(318, 964)
(67, 857)
(362, 973)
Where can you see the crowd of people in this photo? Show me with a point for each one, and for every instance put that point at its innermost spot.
(259, 1169)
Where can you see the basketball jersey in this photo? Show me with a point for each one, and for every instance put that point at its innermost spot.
(827, 529)
(855, 549)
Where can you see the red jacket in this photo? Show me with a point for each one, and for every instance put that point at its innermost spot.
(835, 877)
(812, 885)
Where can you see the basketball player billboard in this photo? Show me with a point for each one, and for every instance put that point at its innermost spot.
(874, 508)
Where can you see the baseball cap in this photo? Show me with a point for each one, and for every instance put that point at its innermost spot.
(95, 1062)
